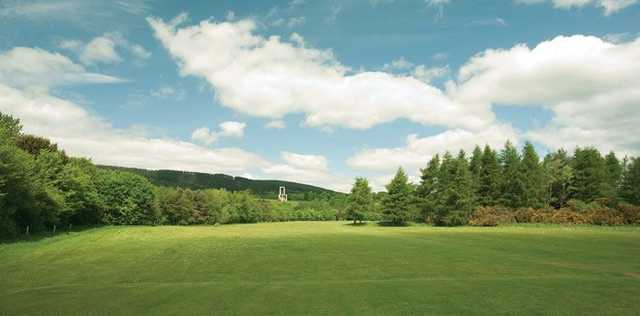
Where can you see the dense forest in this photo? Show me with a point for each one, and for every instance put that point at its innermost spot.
(43, 189)
(502, 186)
(267, 189)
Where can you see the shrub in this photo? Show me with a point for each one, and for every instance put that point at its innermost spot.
(605, 216)
(567, 216)
(630, 213)
(491, 216)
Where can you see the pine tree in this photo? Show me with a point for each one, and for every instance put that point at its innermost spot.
(630, 189)
(360, 200)
(489, 181)
(475, 167)
(613, 177)
(531, 176)
(397, 204)
(427, 191)
(589, 174)
(558, 173)
(463, 185)
(512, 186)
(456, 196)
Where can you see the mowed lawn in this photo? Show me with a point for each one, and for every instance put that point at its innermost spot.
(328, 268)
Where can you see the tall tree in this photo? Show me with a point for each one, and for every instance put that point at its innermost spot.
(531, 176)
(397, 203)
(558, 174)
(588, 175)
(489, 180)
(10, 128)
(512, 186)
(630, 189)
(613, 177)
(360, 200)
(456, 196)
(427, 191)
(475, 167)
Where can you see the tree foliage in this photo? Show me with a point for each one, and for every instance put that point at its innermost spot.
(360, 200)
(396, 206)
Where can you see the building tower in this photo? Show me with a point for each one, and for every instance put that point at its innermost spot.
(282, 194)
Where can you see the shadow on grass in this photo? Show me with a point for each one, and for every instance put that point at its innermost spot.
(392, 224)
(37, 236)
(357, 224)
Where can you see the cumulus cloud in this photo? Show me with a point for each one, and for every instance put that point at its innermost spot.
(307, 168)
(82, 134)
(609, 6)
(590, 84)
(104, 49)
(23, 67)
(418, 151)
(227, 129)
(276, 124)
(270, 77)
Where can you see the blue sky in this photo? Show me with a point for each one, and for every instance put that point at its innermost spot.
(319, 91)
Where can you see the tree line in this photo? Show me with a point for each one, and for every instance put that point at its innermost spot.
(43, 189)
(493, 185)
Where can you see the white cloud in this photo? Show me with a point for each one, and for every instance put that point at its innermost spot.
(427, 74)
(609, 6)
(402, 66)
(307, 169)
(100, 50)
(398, 64)
(22, 67)
(417, 151)
(82, 134)
(276, 124)
(227, 129)
(139, 51)
(232, 129)
(104, 49)
(590, 84)
(270, 77)
(316, 162)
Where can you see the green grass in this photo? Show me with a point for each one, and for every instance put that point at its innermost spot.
(325, 268)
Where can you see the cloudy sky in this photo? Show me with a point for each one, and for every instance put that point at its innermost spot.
(319, 91)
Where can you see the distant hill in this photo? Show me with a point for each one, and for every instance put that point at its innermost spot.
(198, 180)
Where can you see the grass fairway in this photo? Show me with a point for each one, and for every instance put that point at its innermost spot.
(325, 268)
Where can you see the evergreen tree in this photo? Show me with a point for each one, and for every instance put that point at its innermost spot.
(397, 204)
(427, 191)
(512, 186)
(489, 181)
(558, 176)
(360, 200)
(532, 178)
(10, 128)
(475, 167)
(456, 198)
(630, 189)
(589, 174)
(613, 177)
